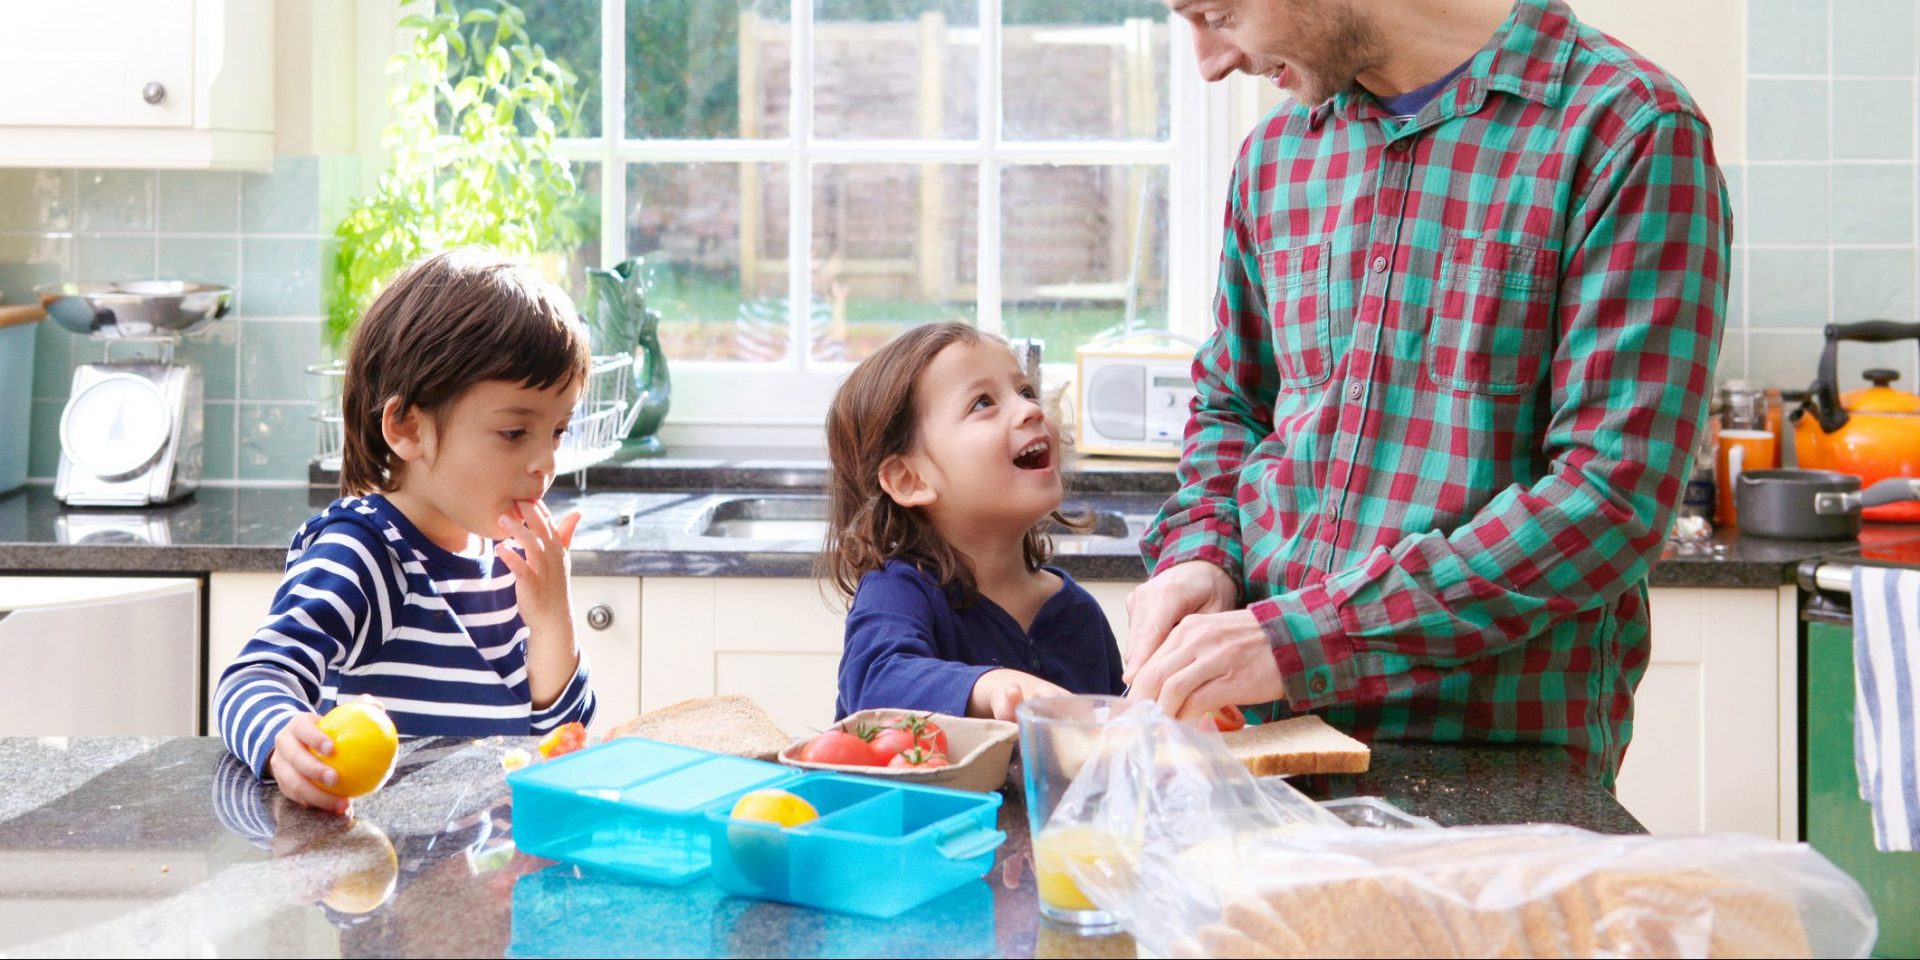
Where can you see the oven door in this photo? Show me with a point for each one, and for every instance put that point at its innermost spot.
(1834, 820)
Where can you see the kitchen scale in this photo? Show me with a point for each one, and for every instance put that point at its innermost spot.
(133, 428)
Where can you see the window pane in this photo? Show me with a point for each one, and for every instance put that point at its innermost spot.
(569, 32)
(567, 264)
(717, 252)
(690, 76)
(1078, 70)
(896, 68)
(1083, 252)
(893, 247)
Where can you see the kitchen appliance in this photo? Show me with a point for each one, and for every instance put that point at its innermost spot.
(1834, 820)
(132, 431)
(1872, 433)
(1133, 400)
(1811, 504)
(100, 656)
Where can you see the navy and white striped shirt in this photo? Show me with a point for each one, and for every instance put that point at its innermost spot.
(370, 605)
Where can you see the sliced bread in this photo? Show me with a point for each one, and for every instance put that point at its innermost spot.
(1296, 745)
(730, 724)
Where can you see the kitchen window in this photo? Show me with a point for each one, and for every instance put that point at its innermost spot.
(807, 178)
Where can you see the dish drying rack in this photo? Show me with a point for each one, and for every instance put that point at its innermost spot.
(601, 420)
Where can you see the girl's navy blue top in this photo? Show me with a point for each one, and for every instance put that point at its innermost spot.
(909, 645)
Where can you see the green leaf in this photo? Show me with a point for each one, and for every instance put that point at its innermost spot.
(478, 16)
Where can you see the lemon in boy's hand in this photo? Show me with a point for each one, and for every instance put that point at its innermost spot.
(774, 806)
(364, 745)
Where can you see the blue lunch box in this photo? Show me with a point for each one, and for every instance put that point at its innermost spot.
(662, 813)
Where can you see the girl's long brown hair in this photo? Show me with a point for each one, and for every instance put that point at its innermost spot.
(873, 418)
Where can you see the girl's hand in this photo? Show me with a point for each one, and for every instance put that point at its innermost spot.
(540, 565)
(998, 693)
(298, 772)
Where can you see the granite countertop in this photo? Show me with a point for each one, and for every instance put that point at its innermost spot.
(641, 519)
(113, 846)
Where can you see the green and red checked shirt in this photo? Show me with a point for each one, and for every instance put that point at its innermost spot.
(1450, 402)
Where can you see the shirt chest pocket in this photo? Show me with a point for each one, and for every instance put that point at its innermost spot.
(1297, 286)
(1493, 317)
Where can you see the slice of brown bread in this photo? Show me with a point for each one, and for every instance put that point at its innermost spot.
(1296, 745)
(727, 724)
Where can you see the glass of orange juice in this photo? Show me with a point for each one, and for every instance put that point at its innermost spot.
(1057, 736)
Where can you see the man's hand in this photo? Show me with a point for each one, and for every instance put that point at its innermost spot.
(297, 771)
(1208, 661)
(998, 693)
(1155, 606)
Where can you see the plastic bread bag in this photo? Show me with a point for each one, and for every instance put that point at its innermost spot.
(1197, 859)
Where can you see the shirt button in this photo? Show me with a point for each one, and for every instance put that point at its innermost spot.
(1379, 264)
(1332, 508)
(1318, 684)
(1400, 146)
(1353, 390)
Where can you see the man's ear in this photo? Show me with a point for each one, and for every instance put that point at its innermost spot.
(405, 428)
(905, 482)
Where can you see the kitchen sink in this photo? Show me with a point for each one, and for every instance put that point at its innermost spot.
(804, 518)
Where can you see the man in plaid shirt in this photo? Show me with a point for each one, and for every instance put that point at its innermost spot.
(1460, 360)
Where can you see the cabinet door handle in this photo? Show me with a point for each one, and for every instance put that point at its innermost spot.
(599, 616)
(153, 92)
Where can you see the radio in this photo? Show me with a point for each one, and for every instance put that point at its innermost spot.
(1133, 401)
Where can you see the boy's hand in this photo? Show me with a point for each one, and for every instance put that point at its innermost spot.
(298, 771)
(541, 587)
(998, 693)
(540, 563)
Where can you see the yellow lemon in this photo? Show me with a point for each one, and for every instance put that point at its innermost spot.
(364, 745)
(774, 806)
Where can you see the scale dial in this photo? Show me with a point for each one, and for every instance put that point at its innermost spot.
(116, 426)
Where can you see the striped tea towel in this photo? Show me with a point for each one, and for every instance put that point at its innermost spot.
(1886, 723)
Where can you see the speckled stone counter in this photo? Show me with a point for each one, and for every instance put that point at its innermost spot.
(725, 468)
(167, 847)
(622, 532)
(652, 531)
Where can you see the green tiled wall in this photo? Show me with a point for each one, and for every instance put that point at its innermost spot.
(1829, 211)
(263, 234)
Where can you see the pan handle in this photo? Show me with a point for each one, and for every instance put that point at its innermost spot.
(1826, 390)
(1891, 490)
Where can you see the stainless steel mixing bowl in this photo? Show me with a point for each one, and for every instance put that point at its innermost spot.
(135, 308)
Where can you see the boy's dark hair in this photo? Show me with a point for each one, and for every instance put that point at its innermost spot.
(874, 417)
(443, 324)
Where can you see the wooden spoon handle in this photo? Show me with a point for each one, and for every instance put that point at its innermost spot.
(27, 313)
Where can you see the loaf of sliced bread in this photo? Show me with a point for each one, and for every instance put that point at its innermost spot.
(1296, 745)
(731, 724)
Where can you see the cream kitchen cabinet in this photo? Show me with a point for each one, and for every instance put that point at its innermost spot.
(1714, 744)
(606, 613)
(148, 83)
(776, 640)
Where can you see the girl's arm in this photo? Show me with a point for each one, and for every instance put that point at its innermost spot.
(890, 659)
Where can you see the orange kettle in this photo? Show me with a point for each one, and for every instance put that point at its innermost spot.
(1873, 432)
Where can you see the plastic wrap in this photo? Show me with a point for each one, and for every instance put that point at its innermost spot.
(1195, 858)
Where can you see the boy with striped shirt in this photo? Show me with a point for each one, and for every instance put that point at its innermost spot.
(437, 584)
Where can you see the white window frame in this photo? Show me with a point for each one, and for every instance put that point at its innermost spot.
(785, 403)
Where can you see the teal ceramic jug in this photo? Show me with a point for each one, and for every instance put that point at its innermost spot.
(622, 323)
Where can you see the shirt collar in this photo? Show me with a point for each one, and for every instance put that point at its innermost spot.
(1527, 57)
